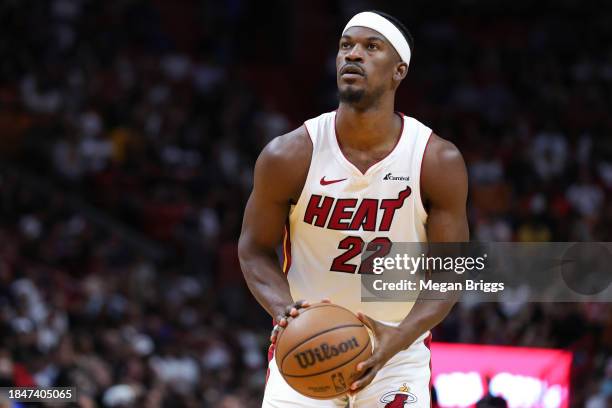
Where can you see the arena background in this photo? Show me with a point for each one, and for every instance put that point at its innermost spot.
(128, 134)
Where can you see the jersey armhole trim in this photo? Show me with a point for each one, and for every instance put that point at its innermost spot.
(312, 140)
(422, 212)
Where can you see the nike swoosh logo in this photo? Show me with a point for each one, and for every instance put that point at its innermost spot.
(326, 182)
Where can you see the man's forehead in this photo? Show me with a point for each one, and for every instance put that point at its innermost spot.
(363, 32)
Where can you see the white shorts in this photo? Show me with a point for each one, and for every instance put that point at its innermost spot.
(404, 382)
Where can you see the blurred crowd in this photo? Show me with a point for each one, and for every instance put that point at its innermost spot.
(154, 112)
(78, 307)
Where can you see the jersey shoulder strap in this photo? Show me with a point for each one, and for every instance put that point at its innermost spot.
(317, 128)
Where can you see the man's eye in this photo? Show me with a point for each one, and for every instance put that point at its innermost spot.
(344, 45)
(372, 46)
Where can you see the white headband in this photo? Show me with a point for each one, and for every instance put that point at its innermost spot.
(385, 27)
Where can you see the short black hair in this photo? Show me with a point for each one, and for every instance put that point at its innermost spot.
(399, 26)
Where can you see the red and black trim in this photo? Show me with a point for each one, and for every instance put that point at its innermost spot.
(270, 357)
(287, 248)
(427, 343)
(286, 265)
(421, 173)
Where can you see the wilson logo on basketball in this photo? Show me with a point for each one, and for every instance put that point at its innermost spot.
(324, 352)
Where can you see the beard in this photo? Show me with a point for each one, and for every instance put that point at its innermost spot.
(359, 98)
(351, 96)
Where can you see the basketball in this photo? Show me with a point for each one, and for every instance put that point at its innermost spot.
(318, 352)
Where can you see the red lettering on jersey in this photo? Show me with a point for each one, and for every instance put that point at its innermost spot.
(365, 216)
(344, 216)
(341, 213)
(390, 206)
(317, 209)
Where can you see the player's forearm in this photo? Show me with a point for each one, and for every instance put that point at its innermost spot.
(424, 316)
(429, 309)
(266, 280)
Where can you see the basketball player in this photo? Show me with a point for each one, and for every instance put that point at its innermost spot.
(363, 173)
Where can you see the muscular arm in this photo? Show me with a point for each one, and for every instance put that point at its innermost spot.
(444, 187)
(280, 173)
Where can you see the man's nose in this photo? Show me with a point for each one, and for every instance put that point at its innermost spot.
(355, 54)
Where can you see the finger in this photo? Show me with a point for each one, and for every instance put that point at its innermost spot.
(369, 322)
(301, 303)
(364, 365)
(297, 305)
(283, 322)
(326, 300)
(362, 382)
(293, 310)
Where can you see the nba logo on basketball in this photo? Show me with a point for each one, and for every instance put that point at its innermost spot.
(398, 399)
(338, 380)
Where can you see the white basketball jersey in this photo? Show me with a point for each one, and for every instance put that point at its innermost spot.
(341, 210)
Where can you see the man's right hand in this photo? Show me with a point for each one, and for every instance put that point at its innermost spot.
(291, 312)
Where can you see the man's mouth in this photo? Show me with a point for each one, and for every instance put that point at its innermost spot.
(351, 70)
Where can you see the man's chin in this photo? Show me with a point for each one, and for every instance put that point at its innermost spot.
(351, 94)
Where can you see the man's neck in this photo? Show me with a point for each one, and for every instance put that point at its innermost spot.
(367, 129)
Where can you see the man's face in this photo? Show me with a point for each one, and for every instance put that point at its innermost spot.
(366, 66)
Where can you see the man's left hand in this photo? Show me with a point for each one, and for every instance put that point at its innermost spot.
(388, 343)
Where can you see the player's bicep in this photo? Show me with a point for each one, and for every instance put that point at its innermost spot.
(264, 221)
(445, 185)
(280, 173)
(268, 206)
(445, 225)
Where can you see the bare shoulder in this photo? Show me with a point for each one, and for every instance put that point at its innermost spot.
(284, 163)
(443, 171)
(288, 148)
(441, 152)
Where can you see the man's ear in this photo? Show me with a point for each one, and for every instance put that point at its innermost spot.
(401, 70)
